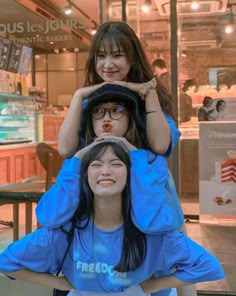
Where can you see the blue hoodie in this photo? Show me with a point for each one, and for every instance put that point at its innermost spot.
(150, 204)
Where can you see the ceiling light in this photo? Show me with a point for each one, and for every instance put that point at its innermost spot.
(93, 30)
(194, 5)
(68, 9)
(146, 6)
(229, 29)
(56, 50)
(76, 49)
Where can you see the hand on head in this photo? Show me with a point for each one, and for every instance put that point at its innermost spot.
(141, 88)
(104, 138)
(122, 140)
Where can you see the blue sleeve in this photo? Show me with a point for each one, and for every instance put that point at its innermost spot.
(58, 205)
(189, 261)
(174, 134)
(150, 211)
(33, 252)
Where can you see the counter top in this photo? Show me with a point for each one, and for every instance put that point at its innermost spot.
(22, 145)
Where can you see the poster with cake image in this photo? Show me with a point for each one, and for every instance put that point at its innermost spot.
(217, 168)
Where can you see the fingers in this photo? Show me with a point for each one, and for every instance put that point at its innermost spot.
(130, 85)
(141, 88)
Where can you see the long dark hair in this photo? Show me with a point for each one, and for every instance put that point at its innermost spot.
(121, 34)
(134, 241)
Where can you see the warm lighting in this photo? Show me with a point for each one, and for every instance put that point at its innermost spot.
(229, 29)
(194, 5)
(93, 30)
(56, 50)
(184, 53)
(146, 6)
(68, 9)
(76, 49)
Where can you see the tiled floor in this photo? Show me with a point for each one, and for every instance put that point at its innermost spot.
(220, 240)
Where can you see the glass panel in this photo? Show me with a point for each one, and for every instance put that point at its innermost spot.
(207, 59)
(63, 61)
(40, 62)
(66, 85)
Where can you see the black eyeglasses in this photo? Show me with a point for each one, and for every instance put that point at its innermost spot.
(115, 112)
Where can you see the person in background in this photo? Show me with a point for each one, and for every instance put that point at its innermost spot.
(108, 254)
(207, 105)
(185, 103)
(215, 114)
(160, 69)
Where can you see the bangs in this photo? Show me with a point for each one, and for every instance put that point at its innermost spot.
(98, 150)
(115, 41)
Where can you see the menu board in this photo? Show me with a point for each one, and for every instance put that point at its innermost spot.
(5, 49)
(14, 59)
(25, 60)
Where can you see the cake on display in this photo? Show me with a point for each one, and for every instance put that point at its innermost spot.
(225, 170)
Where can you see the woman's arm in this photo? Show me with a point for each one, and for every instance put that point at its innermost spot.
(151, 210)
(58, 205)
(155, 284)
(42, 279)
(157, 128)
(68, 138)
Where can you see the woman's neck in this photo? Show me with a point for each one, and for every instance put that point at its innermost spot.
(107, 212)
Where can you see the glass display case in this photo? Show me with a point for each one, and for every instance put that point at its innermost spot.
(17, 119)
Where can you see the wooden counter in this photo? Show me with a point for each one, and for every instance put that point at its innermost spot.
(18, 162)
(51, 126)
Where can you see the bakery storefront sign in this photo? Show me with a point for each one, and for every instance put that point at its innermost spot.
(217, 168)
(49, 31)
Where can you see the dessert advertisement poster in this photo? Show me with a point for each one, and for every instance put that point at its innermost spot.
(217, 168)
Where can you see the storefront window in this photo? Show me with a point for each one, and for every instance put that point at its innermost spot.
(207, 105)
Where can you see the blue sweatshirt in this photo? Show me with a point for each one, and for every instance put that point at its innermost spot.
(154, 197)
(94, 252)
(152, 211)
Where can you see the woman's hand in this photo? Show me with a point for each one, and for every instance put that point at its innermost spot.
(88, 90)
(64, 284)
(141, 88)
(126, 143)
(81, 153)
(150, 285)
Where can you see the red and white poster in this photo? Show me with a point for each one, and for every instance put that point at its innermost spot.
(217, 168)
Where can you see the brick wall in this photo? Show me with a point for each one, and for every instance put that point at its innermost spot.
(197, 62)
(195, 65)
